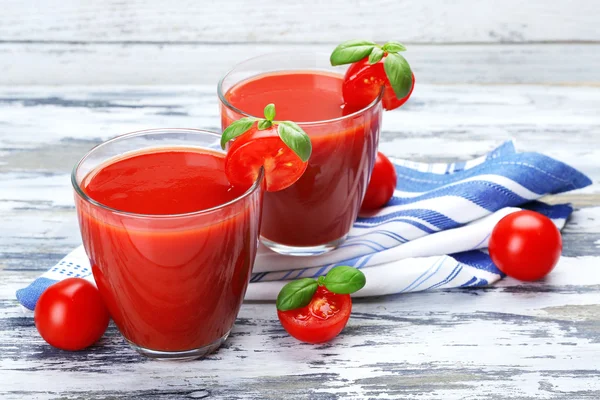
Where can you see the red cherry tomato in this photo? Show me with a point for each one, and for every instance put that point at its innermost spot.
(382, 184)
(255, 149)
(70, 314)
(321, 320)
(363, 82)
(525, 245)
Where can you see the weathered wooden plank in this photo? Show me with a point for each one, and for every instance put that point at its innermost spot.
(200, 63)
(509, 340)
(288, 21)
(439, 122)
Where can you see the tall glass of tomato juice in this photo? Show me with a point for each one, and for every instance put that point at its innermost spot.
(170, 241)
(316, 213)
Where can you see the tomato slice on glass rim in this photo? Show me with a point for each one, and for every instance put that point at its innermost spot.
(363, 82)
(263, 148)
(372, 67)
(321, 320)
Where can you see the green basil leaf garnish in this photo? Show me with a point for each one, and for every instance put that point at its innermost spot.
(237, 128)
(264, 124)
(270, 112)
(344, 280)
(398, 72)
(351, 51)
(393, 47)
(296, 294)
(295, 138)
(290, 133)
(376, 55)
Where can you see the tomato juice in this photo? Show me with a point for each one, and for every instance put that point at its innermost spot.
(320, 208)
(171, 244)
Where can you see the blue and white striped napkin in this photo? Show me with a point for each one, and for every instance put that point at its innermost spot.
(431, 235)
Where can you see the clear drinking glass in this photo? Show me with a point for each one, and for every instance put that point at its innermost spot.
(173, 283)
(315, 214)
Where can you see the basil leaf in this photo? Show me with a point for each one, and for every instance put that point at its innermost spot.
(270, 112)
(351, 51)
(264, 124)
(344, 280)
(296, 294)
(393, 47)
(237, 128)
(295, 138)
(399, 73)
(376, 55)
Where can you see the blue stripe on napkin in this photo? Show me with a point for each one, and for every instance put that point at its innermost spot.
(29, 296)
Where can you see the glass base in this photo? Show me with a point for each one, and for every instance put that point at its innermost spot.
(302, 250)
(185, 355)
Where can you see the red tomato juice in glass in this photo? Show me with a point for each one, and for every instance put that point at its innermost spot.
(173, 263)
(318, 210)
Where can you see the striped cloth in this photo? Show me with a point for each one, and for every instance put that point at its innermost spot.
(431, 235)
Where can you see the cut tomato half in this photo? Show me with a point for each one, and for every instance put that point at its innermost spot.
(255, 149)
(321, 320)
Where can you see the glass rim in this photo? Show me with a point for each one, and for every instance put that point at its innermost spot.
(79, 191)
(233, 108)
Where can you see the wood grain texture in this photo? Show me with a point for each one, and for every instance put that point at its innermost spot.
(200, 63)
(509, 341)
(288, 21)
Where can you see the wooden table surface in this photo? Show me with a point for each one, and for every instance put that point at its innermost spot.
(73, 74)
(508, 340)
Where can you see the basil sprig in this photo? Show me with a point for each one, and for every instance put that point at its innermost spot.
(395, 65)
(290, 133)
(340, 280)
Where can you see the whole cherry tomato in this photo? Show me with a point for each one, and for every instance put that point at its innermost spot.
(381, 185)
(525, 245)
(363, 82)
(71, 315)
(321, 320)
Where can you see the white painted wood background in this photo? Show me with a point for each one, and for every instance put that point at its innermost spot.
(74, 73)
(53, 42)
(292, 21)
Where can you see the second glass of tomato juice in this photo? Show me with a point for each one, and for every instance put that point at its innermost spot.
(315, 214)
(170, 241)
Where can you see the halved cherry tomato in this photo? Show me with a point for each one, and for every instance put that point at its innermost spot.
(321, 320)
(71, 315)
(525, 245)
(363, 82)
(381, 185)
(254, 149)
